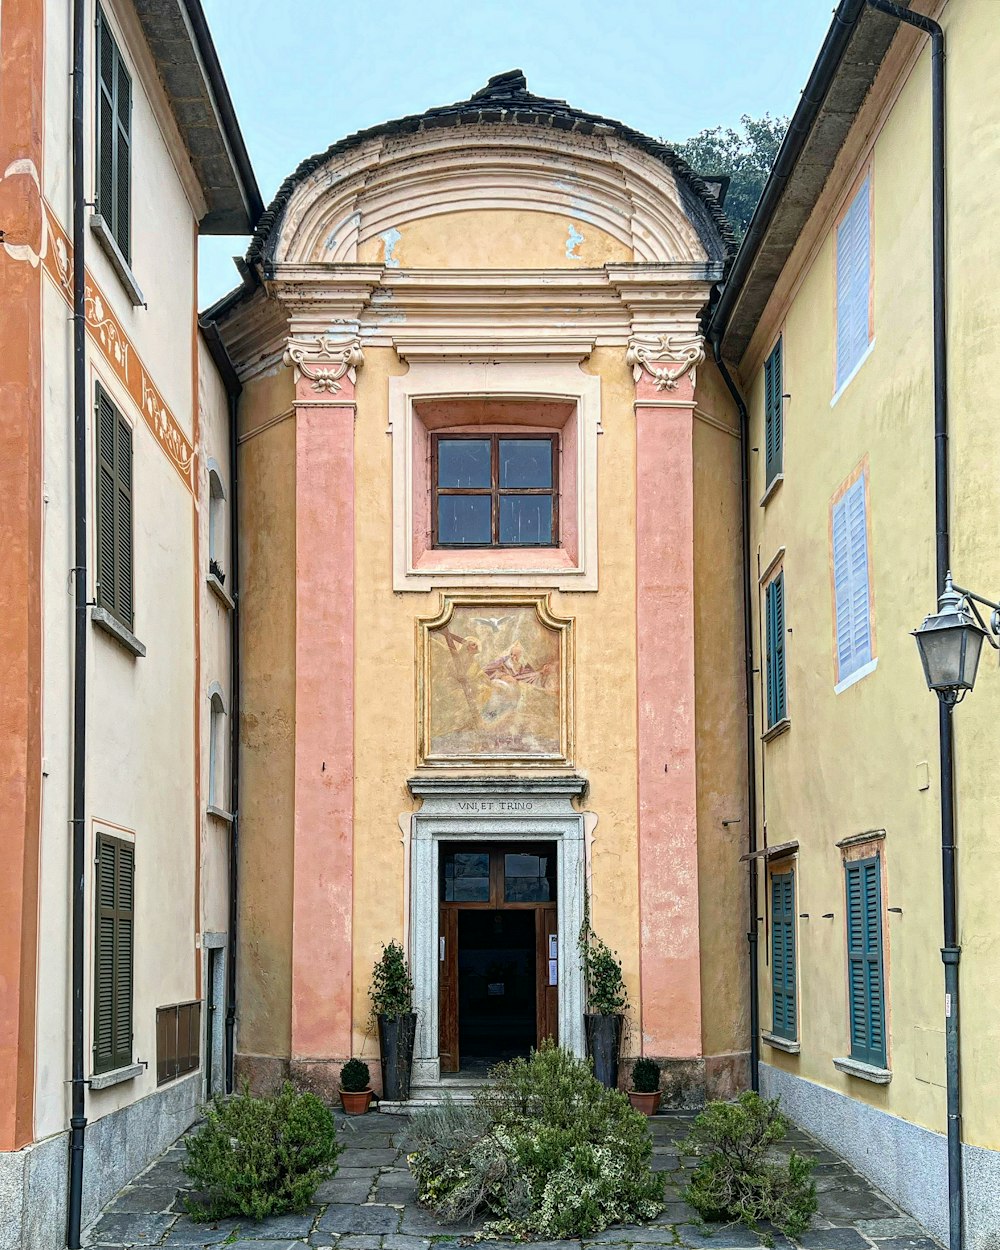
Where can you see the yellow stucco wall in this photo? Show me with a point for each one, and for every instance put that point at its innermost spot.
(495, 238)
(856, 761)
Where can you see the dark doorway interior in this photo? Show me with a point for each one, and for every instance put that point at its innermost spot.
(496, 985)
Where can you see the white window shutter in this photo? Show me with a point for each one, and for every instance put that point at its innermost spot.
(850, 581)
(853, 283)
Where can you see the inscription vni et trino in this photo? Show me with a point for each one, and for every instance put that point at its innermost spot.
(495, 805)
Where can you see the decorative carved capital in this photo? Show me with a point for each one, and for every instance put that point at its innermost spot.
(688, 350)
(323, 360)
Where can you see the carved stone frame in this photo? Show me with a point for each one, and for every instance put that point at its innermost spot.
(510, 598)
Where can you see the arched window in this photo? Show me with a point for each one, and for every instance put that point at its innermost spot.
(217, 740)
(216, 522)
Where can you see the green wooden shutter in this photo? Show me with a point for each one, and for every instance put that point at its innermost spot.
(773, 423)
(114, 511)
(775, 606)
(114, 138)
(114, 953)
(784, 1014)
(864, 961)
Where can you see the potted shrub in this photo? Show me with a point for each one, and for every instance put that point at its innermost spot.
(645, 1092)
(607, 1002)
(355, 1087)
(391, 995)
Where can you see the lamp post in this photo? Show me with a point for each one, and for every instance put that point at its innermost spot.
(950, 641)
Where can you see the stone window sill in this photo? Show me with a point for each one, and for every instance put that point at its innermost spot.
(776, 730)
(118, 1077)
(220, 590)
(103, 619)
(220, 813)
(863, 1071)
(772, 487)
(109, 246)
(780, 1043)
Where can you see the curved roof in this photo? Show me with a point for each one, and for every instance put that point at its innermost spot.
(506, 99)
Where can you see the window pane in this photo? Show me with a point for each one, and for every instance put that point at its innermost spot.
(526, 520)
(465, 877)
(529, 878)
(464, 462)
(464, 519)
(526, 462)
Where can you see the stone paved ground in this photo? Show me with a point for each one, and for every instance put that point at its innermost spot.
(370, 1205)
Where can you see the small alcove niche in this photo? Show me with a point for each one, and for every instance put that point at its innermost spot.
(217, 753)
(216, 522)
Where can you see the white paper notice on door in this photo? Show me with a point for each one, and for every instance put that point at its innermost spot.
(553, 972)
(553, 945)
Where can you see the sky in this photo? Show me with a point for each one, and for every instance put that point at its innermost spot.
(304, 73)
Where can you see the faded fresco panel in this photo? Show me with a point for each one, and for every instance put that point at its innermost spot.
(494, 678)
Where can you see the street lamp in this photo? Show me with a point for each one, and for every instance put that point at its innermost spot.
(950, 640)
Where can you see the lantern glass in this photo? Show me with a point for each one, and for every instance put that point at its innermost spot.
(949, 647)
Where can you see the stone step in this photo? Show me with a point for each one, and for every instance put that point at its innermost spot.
(458, 1089)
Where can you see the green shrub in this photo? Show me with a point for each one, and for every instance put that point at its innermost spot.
(738, 1177)
(544, 1150)
(391, 990)
(645, 1076)
(260, 1156)
(355, 1076)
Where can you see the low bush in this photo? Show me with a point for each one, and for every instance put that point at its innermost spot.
(260, 1156)
(645, 1076)
(544, 1150)
(355, 1076)
(738, 1178)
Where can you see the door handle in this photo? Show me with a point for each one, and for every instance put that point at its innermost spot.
(441, 941)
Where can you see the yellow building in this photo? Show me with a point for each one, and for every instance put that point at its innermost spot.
(827, 323)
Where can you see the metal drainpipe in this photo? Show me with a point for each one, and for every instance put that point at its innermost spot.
(78, 1119)
(752, 930)
(234, 737)
(951, 951)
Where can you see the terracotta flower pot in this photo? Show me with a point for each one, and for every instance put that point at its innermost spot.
(648, 1104)
(355, 1102)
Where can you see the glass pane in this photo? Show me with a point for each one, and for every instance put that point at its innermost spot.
(528, 878)
(464, 519)
(465, 877)
(464, 462)
(526, 520)
(526, 462)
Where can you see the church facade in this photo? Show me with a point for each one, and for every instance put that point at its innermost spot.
(491, 598)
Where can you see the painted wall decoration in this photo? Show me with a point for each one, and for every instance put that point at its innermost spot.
(495, 683)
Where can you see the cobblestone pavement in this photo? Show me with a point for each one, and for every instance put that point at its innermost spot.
(371, 1205)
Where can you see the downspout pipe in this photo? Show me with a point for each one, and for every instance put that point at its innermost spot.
(233, 390)
(78, 1082)
(951, 952)
(751, 731)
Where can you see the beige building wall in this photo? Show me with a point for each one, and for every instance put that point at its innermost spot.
(867, 758)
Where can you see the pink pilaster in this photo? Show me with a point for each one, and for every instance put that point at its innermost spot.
(324, 700)
(668, 848)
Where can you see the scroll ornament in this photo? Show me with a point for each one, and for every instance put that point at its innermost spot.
(323, 360)
(688, 350)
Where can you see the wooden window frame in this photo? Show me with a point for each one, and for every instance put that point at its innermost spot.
(494, 490)
(496, 853)
(120, 524)
(790, 1032)
(115, 1056)
(180, 1020)
(774, 424)
(121, 141)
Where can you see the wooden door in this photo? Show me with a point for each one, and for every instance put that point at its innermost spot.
(548, 967)
(448, 988)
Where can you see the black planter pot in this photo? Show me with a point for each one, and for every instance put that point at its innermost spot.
(395, 1043)
(604, 1039)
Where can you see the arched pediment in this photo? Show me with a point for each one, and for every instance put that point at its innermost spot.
(504, 151)
(586, 182)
